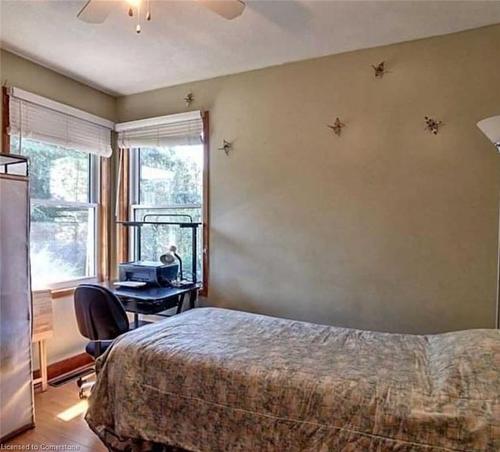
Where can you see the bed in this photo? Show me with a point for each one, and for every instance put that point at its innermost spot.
(220, 380)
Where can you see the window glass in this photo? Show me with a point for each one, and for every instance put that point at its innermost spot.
(155, 240)
(171, 176)
(170, 188)
(63, 218)
(62, 244)
(56, 173)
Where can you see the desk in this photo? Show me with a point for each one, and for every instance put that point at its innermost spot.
(154, 300)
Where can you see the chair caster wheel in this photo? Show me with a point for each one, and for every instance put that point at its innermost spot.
(86, 389)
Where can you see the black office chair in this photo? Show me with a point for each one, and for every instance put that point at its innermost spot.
(101, 318)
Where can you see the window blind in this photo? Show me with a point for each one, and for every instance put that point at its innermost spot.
(164, 131)
(31, 120)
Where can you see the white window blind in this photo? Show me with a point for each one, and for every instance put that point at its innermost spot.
(164, 131)
(36, 118)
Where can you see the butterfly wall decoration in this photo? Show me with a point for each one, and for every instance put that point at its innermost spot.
(337, 126)
(379, 69)
(226, 146)
(189, 99)
(432, 125)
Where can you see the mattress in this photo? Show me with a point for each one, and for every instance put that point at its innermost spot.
(221, 380)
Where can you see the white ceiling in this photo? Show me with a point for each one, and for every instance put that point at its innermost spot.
(186, 42)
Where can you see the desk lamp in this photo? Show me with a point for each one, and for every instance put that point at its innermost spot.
(170, 256)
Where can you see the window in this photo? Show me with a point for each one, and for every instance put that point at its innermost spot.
(63, 187)
(168, 181)
(64, 146)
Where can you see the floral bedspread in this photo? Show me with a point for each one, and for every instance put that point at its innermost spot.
(220, 380)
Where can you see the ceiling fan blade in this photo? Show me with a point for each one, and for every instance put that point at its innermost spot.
(229, 9)
(95, 11)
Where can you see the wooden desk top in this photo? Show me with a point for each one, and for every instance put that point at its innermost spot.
(150, 294)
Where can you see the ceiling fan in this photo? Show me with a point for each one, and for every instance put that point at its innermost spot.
(96, 11)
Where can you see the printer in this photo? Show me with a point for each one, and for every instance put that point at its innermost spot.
(153, 273)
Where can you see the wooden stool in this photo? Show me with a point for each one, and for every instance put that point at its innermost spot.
(43, 329)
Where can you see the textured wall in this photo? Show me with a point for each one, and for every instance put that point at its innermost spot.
(387, 227)
(19, 72)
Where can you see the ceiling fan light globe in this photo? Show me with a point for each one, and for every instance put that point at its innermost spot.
(134, 3)
(228, 9)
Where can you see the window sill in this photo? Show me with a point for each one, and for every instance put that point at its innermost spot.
(62, 293)
(65, 289)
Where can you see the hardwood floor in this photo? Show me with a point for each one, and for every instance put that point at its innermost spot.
(59, 422)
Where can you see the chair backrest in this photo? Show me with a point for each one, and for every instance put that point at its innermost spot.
(99, 313)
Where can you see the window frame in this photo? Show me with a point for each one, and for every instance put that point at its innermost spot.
(100, 183)
(94, 197)
(134, 205)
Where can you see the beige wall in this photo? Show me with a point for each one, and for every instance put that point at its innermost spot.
(387, 227)
(16, 71)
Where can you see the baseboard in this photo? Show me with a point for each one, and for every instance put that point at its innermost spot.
(15, 433)
(65, 366)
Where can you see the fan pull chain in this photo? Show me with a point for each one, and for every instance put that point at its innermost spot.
(136, 4)
(138, 26)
